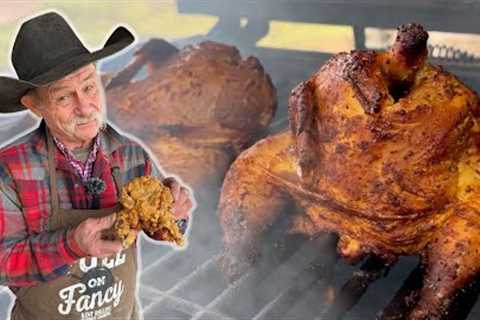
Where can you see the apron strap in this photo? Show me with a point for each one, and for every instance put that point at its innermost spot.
(52, 175)
(118, 181)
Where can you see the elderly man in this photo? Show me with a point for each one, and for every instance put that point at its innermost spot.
(59, 184)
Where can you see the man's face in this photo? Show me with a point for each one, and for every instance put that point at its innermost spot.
(73, 107)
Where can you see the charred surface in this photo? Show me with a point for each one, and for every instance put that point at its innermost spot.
(383, 151)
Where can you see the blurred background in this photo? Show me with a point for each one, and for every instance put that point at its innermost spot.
(161, 18)
(291, 39)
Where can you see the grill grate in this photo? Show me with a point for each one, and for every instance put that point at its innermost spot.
(296, 283)
(272, 291)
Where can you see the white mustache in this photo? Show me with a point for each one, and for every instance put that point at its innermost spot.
(82, 120)
(98, 116)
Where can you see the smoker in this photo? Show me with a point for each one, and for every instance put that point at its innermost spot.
(294, 280)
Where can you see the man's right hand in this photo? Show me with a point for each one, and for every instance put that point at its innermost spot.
(88, 235)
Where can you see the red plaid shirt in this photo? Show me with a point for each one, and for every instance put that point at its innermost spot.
(28, 252)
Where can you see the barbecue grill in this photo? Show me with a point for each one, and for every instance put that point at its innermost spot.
(297, 278)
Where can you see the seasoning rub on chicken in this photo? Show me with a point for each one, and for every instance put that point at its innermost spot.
(200, 107)
(383, 150)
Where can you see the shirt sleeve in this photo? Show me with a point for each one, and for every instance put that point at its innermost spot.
(28, 259)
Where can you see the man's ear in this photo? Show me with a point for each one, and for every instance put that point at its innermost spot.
(30, 101)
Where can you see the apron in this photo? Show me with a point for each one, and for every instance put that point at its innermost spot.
(94, 288)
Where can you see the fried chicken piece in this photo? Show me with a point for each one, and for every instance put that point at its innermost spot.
(126, 227)
(383, 150)
(147, 206)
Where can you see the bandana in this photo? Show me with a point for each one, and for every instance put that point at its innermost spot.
(84, 170)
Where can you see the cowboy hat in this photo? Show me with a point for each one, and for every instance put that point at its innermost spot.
(47, 49)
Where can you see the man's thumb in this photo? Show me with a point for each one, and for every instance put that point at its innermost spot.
(106, 222)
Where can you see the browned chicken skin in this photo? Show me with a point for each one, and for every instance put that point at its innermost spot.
(197, 108)
(383, 151)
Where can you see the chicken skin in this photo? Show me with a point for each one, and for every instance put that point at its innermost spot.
(382, 150)
(197, 108)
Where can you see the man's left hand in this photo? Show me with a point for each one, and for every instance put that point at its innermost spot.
(181, 197)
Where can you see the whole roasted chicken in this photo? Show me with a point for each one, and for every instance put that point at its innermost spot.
(197, 108)
(383, 150)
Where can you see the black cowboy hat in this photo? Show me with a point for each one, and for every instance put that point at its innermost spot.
(47, 49)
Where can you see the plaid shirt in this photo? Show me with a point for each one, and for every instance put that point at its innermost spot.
(30, 254)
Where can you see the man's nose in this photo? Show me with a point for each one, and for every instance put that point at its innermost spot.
(84, 104)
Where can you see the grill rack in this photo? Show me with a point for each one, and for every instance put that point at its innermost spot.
(294, 280)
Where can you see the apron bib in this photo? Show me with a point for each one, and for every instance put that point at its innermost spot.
(94, 288)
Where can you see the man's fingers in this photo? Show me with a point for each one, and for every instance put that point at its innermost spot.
(173, 185)
(181, 210)
(175, 190)
(185, 202)
(105, 222)
(185, 198)
(182, 195)
(106, 248)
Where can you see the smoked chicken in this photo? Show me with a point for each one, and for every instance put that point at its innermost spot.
(382, 150)
(196, 109)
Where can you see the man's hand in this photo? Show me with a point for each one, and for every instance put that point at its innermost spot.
(181, 196)
(88, 235)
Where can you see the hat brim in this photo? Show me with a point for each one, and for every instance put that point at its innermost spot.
(11, 90)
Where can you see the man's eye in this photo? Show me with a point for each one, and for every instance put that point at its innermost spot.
(89, 88)
(63, 99)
